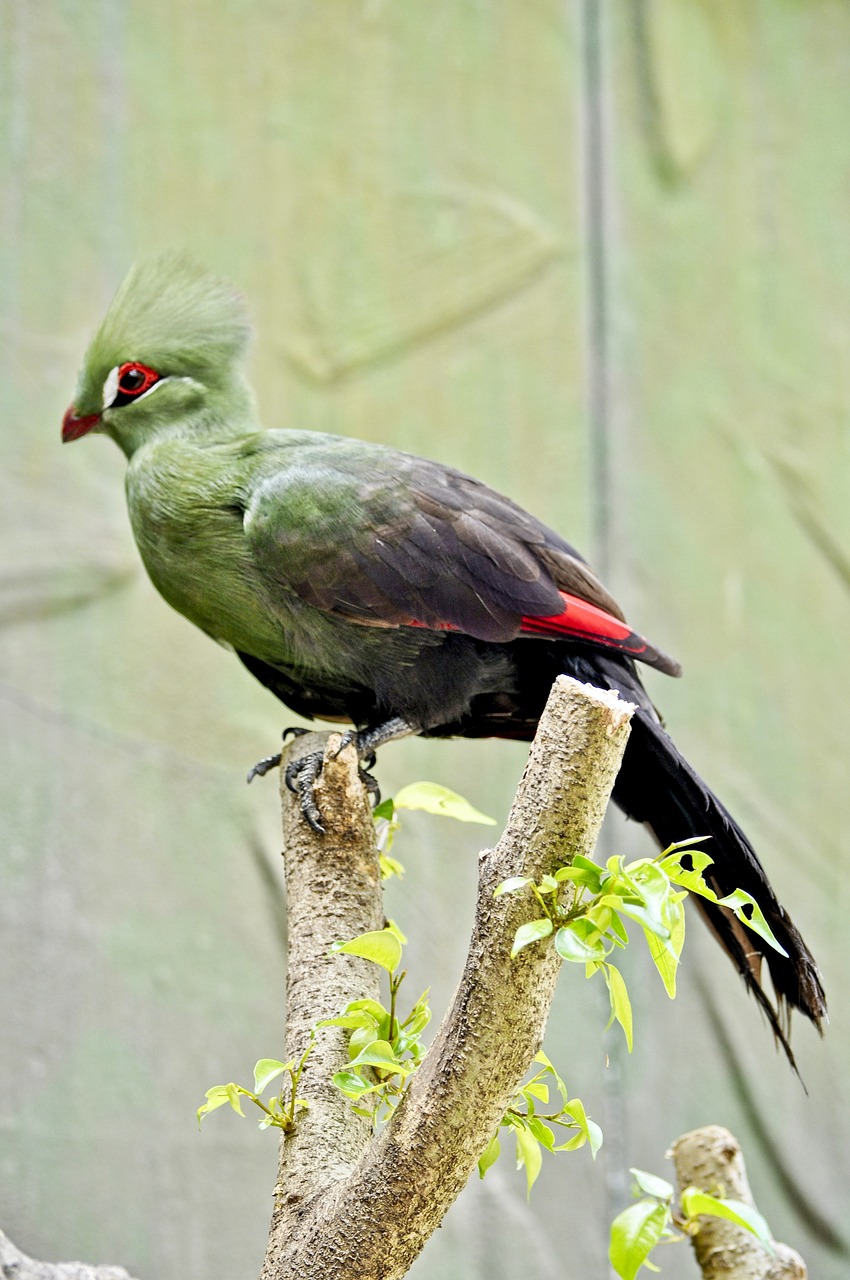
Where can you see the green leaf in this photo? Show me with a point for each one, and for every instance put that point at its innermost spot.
(743, 1215)
(489, 1155)
(540, 1057)
(621, 1007)
(580, 941)
(647, 916)
(390, 867)
(547, 884)
(690, 878)
(651, 1185)
(393, 928)
(267, 1069)
(381, 946)
(351, 1021)
(582, 871)
(542, 1132)
(666, 952)
(536, 1090)
(634, 1234)
(380, 1054)
(511, 885)
(384, 810)
(594, 1137)
(233, 1092)
(419, 1016)
(361, 1039)
(373, 1007)
(433, 798)
(215, 1097)
(531, 932)
(748, 910)
(528, 1153)
(353, 1086)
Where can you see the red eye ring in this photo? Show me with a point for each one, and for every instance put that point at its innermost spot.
(135, 379)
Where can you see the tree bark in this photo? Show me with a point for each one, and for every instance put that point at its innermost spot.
(712, 1160)
(364, 1212)
(15, 1265)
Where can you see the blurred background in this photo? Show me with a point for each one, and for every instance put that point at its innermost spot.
(596, 254)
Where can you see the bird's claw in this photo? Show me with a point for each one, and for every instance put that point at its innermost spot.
(300, 778)
(264, 766)
(301, 775)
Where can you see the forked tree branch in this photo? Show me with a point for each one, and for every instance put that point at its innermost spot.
(711, 1159)
(349, 1206)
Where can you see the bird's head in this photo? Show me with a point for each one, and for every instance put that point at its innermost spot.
(170, 347)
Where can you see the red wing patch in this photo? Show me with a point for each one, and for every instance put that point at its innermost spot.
(583, 621)
(580, 620)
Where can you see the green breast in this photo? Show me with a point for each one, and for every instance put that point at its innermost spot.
(186, 509)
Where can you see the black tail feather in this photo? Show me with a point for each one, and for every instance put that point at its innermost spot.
(657, 786)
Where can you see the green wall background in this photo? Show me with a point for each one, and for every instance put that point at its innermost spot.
(596, 254)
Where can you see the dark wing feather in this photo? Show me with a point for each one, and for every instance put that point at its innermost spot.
(386, 539)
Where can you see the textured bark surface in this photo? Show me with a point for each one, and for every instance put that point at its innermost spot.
(711, 1159)
(371, 1222)
(15, 1265)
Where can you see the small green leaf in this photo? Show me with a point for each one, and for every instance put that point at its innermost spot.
(233, 1092)
(390, 867)
(547, 884)
(384, 810)
(536, 1090)
(582, 871)
(690, 878)
(393, 928)
(646, 916)
(381, 946)
(748, 910)
(433, 798)
(666, 952)
(528, 1153)
(542, 1132)
(373, 1007)
(267, 1069)
(380, 1054)
(580, 941)
(215, 1097)
(594, 1137)
(351, 1021)
(621, 1007)
(511, 885)
(489, 1155)
(634, 1234)
(531, 932)
(743, 1215)
(352, 1085)
(361, 1039)
(650, 1185)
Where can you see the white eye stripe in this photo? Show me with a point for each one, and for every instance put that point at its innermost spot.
(110, 387)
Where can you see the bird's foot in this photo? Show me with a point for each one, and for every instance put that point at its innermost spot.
(264, 766)
(301, 775)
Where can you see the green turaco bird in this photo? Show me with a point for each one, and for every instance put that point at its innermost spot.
(365, 585)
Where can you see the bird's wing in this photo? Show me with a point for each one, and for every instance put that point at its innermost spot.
(385, 539)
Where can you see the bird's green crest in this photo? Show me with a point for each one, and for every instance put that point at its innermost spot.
(175, 316)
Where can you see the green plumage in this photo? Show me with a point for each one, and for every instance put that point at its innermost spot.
(363, 584)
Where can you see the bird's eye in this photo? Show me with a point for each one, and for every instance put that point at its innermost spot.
(134, 380)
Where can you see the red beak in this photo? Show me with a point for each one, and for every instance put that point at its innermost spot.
(74, 427)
